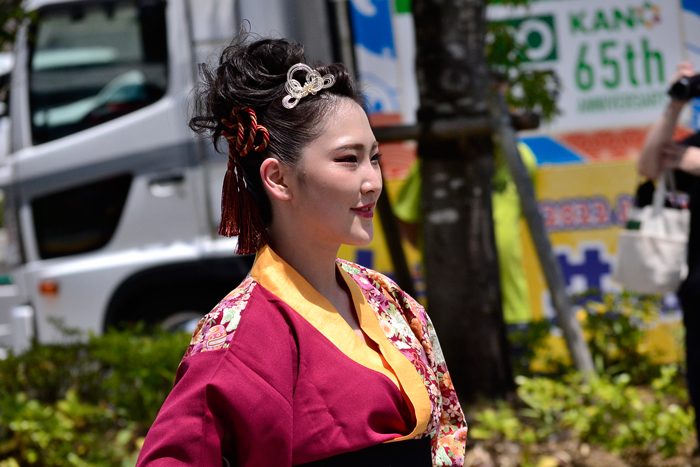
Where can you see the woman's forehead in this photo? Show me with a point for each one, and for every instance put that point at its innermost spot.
(347, 128)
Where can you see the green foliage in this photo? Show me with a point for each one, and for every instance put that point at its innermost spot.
(86, 403)
(615, 327)
(604, 410)
(502, 421)
(609, 411)
(67, 433)
(632, 405)
(526, 343)
(138, 371)
(11, 16)
(528, 89)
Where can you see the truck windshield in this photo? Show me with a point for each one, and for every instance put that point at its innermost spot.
(92, 62)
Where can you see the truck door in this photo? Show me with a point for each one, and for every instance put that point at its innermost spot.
(105, 162)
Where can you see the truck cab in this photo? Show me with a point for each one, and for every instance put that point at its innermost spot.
(111, 202)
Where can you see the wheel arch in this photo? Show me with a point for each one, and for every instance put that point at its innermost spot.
(152, 294)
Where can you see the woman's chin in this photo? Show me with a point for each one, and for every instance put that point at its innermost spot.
(361, 239)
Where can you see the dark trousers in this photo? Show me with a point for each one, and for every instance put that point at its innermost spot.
(690, 302)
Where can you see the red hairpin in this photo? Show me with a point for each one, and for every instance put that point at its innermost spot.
(239, 213)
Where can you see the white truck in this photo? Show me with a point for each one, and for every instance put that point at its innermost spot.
(110, 202)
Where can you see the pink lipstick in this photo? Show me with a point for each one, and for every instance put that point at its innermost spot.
(365, 211)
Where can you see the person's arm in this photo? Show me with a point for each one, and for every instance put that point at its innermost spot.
(220, 407)
(659, 151)
(226, 401)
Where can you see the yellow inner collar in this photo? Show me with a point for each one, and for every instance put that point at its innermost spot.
(278, 277)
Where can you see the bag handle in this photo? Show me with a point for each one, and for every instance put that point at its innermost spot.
(666, 182)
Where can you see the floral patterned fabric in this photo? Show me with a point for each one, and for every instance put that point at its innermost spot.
(213, 333)
(408, 327)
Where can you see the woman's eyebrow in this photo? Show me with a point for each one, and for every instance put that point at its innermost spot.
(355, 147)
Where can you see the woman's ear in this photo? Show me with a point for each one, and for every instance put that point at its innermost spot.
(273, 174)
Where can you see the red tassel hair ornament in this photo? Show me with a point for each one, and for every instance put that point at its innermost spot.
(239, 214)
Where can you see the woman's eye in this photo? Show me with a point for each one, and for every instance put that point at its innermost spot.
(347, 159)
(376, 157)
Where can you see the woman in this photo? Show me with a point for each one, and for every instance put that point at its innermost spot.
(311, 360)
(661, 152)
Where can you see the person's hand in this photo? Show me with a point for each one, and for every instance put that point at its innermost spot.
(685, 158)
(683, 70)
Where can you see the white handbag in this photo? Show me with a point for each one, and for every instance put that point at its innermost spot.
(651, 251)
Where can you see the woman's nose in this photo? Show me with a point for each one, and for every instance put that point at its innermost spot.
(373, 180)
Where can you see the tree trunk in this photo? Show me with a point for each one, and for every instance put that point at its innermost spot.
(464, 297)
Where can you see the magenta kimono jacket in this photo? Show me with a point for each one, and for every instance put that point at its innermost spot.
(275, 376)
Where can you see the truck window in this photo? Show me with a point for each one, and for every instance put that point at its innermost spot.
(79, 219)
(93, 62)
(6, 64)
(4, 94)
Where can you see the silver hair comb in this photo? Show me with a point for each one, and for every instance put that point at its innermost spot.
(314, 83)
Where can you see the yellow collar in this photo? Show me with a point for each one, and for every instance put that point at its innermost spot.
(278, 277)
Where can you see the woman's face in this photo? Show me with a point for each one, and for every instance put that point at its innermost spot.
(338, 180)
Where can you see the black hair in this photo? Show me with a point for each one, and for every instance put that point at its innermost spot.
(253, 74)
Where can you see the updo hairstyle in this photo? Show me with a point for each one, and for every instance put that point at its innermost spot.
(253, 74)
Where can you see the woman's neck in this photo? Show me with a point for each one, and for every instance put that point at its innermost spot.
(313, 262)
(316, 264)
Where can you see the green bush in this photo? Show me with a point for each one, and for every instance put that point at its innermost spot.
(609, 411)
(633, 403)
(88, 403)
(606, 411)
(615, 327)
(526, 343)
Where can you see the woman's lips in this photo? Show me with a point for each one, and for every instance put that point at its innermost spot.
(365, 211)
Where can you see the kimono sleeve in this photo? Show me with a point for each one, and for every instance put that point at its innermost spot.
(219, 407)
(233, 391)
(452, 433)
